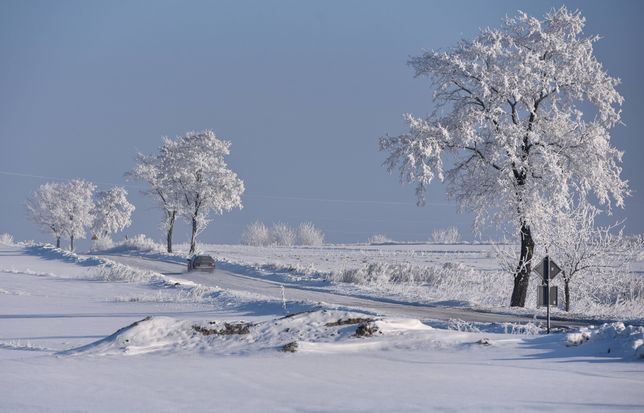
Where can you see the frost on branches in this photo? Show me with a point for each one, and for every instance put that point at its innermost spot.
(112, 212)
(196, 166)
(63, 209)
(596, 258)
(153, 171)
(46, 209)
(509, 115)
(190, 178)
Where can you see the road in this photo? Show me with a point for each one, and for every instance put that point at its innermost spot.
(272, 289)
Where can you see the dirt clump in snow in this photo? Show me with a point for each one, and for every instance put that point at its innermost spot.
(349, 321)
(228, 329)
(366, 330)
(290, 347)
(484, 342)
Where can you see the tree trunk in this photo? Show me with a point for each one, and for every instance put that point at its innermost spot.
(71, 243)
(193, 241)
(57, 242)
(170, 229)
(567, 293)
(522, 276)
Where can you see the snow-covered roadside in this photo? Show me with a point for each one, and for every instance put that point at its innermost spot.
(453, 275)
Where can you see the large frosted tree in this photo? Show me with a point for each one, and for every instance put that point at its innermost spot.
(520, 127)
(201, 176)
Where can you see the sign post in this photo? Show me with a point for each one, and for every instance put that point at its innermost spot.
(546, 276)
(547, 269)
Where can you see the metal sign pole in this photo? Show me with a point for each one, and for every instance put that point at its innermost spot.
(546, 276)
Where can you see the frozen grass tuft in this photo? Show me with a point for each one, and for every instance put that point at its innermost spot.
(256, 234)
(530, 329)
(6, 239)
(461, 325)
(309, 234)
(449, 235)
(449, 281)
(101, 244)
(282, 235)
(140, 242)
(379, 239)
(20, 345)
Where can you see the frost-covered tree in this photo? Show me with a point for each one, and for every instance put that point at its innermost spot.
(46, 209)
(580, 247)
(112, 212)
(282, 234)
(195, 162)
(153, 170)
(449, 235)
(256, 234)
(78, 205)
(309, 234)
(63, 208)
(523, 113)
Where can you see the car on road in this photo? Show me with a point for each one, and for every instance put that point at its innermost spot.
(201, 263)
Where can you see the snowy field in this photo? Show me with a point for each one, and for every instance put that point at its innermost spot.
(84, 334)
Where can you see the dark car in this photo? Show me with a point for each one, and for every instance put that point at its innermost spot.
(201, 263)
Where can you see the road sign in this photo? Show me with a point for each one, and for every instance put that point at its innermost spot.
(540, 269)
(553, 296)
(547, 295)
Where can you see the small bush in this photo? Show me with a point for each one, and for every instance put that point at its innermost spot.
(6, 239)
(446, 235)
(256, 234)
(142, 243)
(308, 234)
(379, 239)
(282, 234)
(101, 244)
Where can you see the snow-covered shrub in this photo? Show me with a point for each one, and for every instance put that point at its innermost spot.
(142, 243)
(379, 239)
(282, 234)
(462, 325)
(309, 234)
(529, 329)
(256, 234)
(101, 244)
(446, 235)
(450, 281)
(6, 239)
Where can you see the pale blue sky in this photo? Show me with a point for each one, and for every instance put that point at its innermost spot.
(302, 89)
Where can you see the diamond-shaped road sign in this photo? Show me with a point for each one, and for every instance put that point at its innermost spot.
(554, 269)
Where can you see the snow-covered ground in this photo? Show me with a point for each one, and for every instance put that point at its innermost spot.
(85, 334)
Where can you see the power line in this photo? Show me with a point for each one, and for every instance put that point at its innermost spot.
(260, 196)
(58, 178)
(344, 201)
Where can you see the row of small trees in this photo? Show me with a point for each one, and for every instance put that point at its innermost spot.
(70, 209)
(258, 234)
(188, 177)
